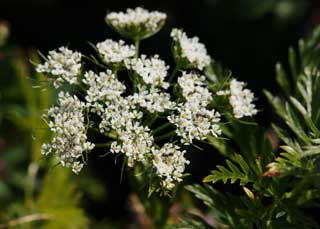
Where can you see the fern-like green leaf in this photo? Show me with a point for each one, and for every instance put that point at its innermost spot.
(232, 173)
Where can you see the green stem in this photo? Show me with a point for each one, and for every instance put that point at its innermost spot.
(115, 72)
(27, 219)
(112, 134)
(101, 145)
(165, 136)
(174, 72)
(134, 76)
(163, 126)
(151, 120)
(30, 184)
(137, 44)
(134, 82)
(302, 185)
(82, 88)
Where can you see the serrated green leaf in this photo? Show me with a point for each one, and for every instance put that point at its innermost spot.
(232, 173)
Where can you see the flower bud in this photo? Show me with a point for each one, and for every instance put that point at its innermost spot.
(136, 24)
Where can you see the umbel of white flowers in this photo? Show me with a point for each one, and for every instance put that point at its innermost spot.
(240, 99)
(136, 24)
(128, 109)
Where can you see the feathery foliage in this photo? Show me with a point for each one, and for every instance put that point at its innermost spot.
(271, 190)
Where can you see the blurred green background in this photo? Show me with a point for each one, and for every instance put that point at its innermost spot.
(247, 36)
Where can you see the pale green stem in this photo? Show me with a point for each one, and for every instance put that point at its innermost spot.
(27, 219)
(174, 72)
(165, 136)
(102, 145)
(163, 126)
(134, 77)
(111, 134)
(137, 44)
(151, 119)
(30, 183)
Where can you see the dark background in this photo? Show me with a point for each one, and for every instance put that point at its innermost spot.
(247, 36)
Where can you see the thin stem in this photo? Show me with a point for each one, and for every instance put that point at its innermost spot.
(137, 44)
(165, 136)
(26, 219)
(163, 126)
(82, 88)
(94, 61)
(174, 72)
(134, 76)
(112, 134)
(31, 177)
(102, 145)
(151, 119)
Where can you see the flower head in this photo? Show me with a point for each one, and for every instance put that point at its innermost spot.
(194, 89)
(169, 162)
(136, 24)
(114, 52)
(67, 122)
(195, 123)
(189, 52)
(240, 98)
(135, 141)
(192, 119)
(153, 71)
(153, 100)
(103, 87)
(64, 64)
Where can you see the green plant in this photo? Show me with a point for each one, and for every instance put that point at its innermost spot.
(33, 194)
(272, 190)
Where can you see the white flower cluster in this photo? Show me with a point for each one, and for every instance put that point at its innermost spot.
(170, 164)
(64, 63)
(102, 87)
(121, 111)
(146, 23)
(195, 123)
(153, 71)
(194, 89)
(67, 122)
(191, 49)
(153, 100)
(134, 140)
(240, 98)
(115, 52)
(193, 120)
(119, 114)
